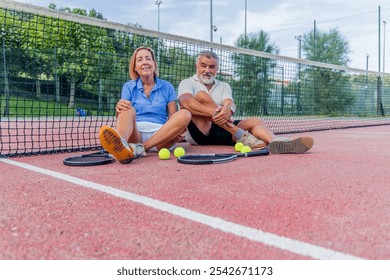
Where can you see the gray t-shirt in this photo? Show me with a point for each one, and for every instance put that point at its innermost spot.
(219, 92)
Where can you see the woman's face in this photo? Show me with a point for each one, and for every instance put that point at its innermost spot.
(144, 63)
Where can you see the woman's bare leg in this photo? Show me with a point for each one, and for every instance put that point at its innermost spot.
(176, 125)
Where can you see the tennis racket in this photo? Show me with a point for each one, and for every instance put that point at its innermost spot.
(218, 158)
(99, 158)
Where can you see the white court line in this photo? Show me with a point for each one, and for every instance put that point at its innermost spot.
(270, 239)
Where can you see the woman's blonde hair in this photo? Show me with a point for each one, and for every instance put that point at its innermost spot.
(133, 74)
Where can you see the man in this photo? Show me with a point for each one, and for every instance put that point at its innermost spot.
(211, 104)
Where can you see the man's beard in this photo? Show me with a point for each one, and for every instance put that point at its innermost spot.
(207, 79)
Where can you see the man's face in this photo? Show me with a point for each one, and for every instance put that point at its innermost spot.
(206, 69)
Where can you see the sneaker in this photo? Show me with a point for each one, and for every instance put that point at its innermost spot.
(138, 150)
(249, 140)
(283, 145)
(113, 143)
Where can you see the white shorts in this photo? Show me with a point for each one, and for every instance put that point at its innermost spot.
(147, 129)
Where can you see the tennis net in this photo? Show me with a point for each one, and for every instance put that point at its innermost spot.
(62, 74)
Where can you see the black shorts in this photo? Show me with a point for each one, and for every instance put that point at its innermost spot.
(216, 136)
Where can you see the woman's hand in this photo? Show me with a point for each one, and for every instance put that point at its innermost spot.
(122, 105)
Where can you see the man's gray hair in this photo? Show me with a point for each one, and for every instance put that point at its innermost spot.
(208, 54)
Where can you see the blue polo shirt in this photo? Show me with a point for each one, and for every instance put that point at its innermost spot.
(153, 109)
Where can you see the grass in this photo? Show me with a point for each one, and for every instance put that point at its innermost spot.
(28, 107)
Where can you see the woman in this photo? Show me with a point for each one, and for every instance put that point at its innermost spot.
(146, 112)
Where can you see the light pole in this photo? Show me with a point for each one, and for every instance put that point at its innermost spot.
(379, 42)
(6, 81)
(158, 3)
(384, 44)
(246, 8)
(282, 87)
(367, 56)
(211, 21)
(299, 38)
(213, 28)
(366, 87)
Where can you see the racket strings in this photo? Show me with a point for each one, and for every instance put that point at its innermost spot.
(89, 160)
(93, 158)
(207, 157)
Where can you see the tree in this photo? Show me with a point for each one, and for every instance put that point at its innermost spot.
(82, 52)
(12, 56)
(176, 65)
(328, 47)
(253, 72)
(329, 91)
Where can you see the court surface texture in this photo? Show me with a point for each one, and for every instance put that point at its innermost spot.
(330, 203)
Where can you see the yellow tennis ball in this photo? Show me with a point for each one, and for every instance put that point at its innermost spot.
(179, 151)
(246, 149)
(164, 153)
(238, 146)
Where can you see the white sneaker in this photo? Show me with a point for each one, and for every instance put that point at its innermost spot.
(250, 140)
(138, 150)
(284, 145)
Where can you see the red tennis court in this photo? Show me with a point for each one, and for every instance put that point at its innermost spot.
(330, 203)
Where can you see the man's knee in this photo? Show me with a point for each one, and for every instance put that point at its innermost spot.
(250, 123)
(203, 97)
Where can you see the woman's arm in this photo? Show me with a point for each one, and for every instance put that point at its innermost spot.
(171, 108)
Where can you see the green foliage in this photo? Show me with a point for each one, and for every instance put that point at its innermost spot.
(47, 47)
(328, 47)
(82, 52)
(176, 64)
(260, 41)
(97, 59)
(251, 88)
(75, 58)
(331, 88)
(333, 94)
(11, 36)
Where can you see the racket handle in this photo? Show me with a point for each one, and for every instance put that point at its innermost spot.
(263, 152)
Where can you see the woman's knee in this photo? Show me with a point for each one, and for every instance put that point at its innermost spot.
(184, 115)
(127, 114)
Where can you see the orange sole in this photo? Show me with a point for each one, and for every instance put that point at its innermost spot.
(112, 143)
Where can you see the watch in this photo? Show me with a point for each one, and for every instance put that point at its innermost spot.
(232, 108)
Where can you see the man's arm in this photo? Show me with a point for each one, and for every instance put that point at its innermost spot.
(187, 101)
(229, 103)
(224, 113)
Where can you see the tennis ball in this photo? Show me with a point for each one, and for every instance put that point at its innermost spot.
(238, 146)
(179, 151)
(164, 153)
(245, 149)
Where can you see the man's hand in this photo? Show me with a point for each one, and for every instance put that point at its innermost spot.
(179, 138)
(122, 105)
(222, 116)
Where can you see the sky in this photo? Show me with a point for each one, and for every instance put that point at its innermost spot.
(283, 20)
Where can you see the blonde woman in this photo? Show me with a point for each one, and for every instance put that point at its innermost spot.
(147, 116)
